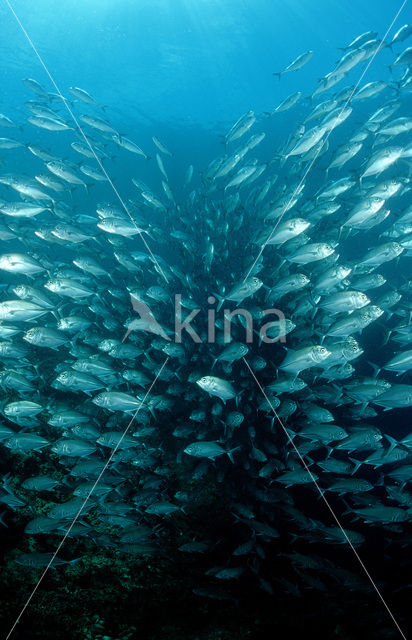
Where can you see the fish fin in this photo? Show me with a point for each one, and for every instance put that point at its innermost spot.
(238, 396)
(387, 336)
(357, 464)
(380, 482)
(231, 451)
(376, 369)
(292, 434)
(87, 186)
(321, 335)
(392, 441)
(74, 561)
(220, 300)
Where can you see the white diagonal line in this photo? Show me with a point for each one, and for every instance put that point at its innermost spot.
(122, 202)
(85, 502)
(325, 500)
(381, 44)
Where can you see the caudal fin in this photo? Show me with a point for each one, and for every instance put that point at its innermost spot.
(357, 464)
(392, 441)
(231, 451)
(220, 300)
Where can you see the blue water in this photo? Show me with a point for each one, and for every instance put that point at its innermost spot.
(192, 63)
(184, 71)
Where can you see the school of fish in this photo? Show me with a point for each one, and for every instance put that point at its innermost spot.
(255, 428)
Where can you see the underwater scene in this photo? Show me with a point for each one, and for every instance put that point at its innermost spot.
(205, 319)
